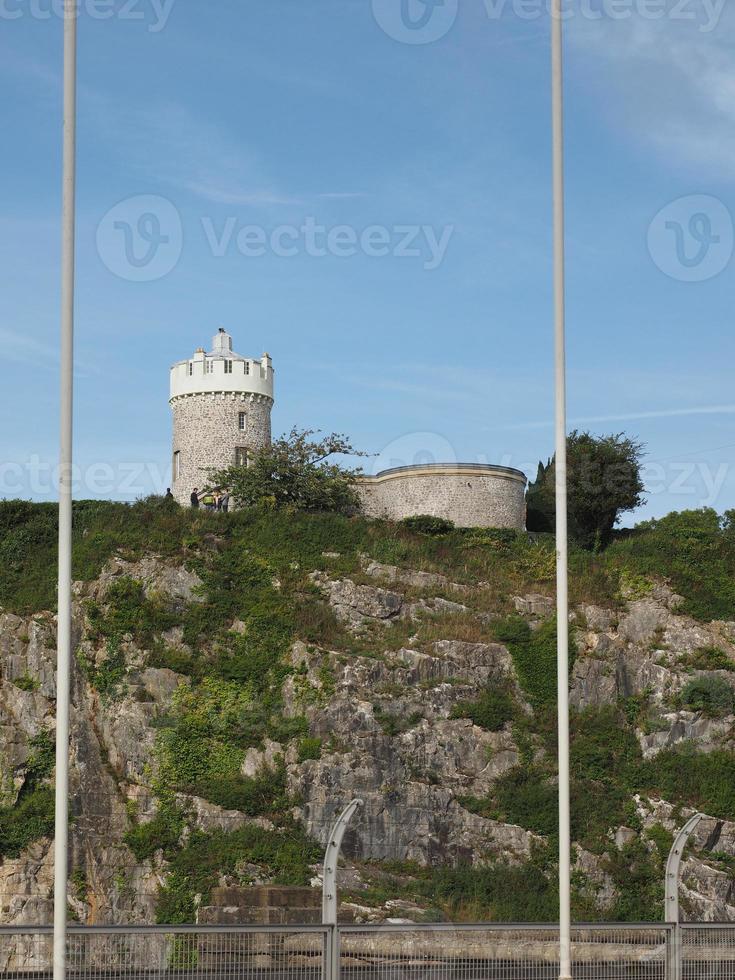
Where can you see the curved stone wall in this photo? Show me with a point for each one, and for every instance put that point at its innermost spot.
(470, 495)
(207, 433)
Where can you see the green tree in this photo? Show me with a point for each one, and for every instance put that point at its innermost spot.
(604, 481)
(296, 471)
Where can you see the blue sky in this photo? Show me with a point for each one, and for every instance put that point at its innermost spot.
(260, 118)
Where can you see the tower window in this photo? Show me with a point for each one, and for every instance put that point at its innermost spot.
(246, 365)
(228, 367)
(241, 456)
(208, 367)
(191, 368)
(176, 469)
(241, 421)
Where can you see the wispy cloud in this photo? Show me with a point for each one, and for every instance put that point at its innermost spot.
(672, 79)
(170, 142)
(20, 348)
(668, 413)
(341, 195)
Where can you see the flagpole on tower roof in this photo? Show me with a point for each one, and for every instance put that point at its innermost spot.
(63, 658)
(562, 587)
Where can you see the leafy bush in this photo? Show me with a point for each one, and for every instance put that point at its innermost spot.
(501, 892)
(26, 683)
(527, 798)
(29, 820)
(310, 747)
(711, 695)
(40, 764)
(639, 878)
(395, 724)
(604, 756)
(491, 711)
(294, 472)
(705, 780)
(426, 524)
(694, 550)
(106, 677)
(32, 817)
(711, 658)
(264, 794)
(129, 610)
(534, 656)
(602, 745)
(28, 547)
(178, 659)
(29, 536)
(160, 833)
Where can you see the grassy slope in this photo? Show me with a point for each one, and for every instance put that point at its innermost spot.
(235, 698)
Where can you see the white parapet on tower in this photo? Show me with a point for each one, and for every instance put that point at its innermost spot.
(221, 404)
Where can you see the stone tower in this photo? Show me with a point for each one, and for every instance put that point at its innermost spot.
(221, 404)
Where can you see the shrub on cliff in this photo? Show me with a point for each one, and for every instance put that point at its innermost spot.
(711, 695)
(426, 524)
(492, 709)
(295, 471)
(694, 550)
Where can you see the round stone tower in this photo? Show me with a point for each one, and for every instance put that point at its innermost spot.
(221, 404)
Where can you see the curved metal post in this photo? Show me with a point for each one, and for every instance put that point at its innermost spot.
(671, 906)
(673, 867)
(329, 888)
(331, 857)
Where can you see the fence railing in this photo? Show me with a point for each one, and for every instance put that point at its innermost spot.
(437, 951)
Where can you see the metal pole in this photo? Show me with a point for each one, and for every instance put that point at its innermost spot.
(671, 887)
(63, 658)
(331, 857)
(562, 589)
(673, 867)
(329, 886)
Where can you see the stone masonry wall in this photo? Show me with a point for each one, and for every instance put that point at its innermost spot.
(206, 434)
(468, 498)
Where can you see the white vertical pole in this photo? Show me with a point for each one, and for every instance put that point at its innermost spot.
(562, 590)
(63, 658)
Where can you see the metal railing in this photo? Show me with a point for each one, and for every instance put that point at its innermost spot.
(706, 950)
(499, 952)
(437, 951)
(170, 952)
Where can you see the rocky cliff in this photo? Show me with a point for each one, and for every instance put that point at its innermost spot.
(229, 697)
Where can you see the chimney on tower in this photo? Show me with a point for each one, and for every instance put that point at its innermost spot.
(222, 342)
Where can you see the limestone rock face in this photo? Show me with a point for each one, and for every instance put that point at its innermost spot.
(357, 604)
(27, 886)
(687, 727)
(409, 779)
(406, 576)
(646, 652)
(389, 733)
(168, 579)
(534, 605)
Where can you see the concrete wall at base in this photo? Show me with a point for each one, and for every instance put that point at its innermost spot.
(470, 495)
